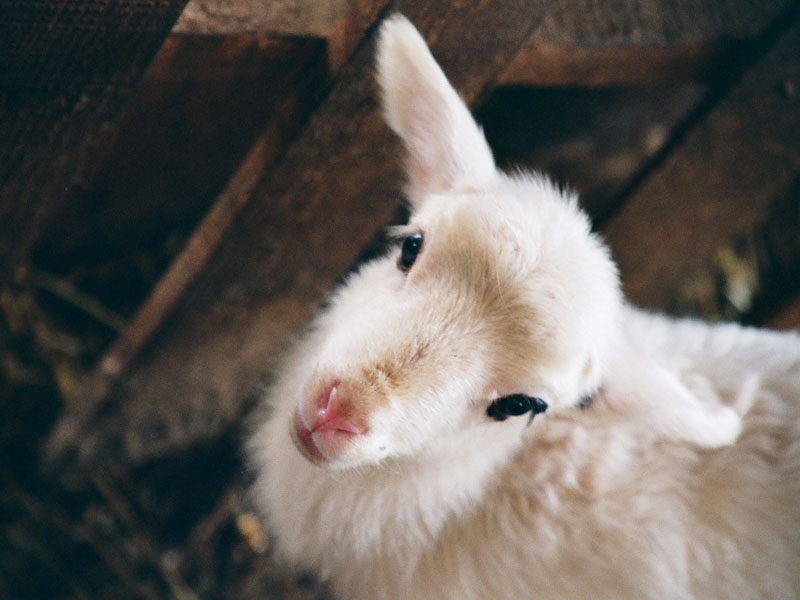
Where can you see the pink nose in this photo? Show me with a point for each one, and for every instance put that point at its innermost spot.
(328, 416)
(324, 431)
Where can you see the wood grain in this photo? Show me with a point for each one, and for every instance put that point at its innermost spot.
(308, 219)
(67, 67)
(340, 23)
(716, 184)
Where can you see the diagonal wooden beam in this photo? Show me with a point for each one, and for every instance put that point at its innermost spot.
(305, 221)
(67, 68)
(716, 184)
(638, 42)
(341, 23)
(580, 43)
(302, 223)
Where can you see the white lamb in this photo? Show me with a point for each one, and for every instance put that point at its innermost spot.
(399, 457)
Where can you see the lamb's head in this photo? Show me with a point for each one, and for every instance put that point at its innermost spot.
(496, 287)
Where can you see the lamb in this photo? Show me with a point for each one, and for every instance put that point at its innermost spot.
(479, 413)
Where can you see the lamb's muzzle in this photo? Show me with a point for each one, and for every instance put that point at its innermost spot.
(323, 428)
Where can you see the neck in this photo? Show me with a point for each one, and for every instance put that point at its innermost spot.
(416, 495)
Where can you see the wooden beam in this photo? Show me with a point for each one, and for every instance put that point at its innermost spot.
(788, 317)
(341, 23)
(293, 91)
(199, 108)
(545, 63)
(67, 68)
(293, 88)
(718, 183)
(304, 221)
(308, 219)
(640, 42)
(584, 43)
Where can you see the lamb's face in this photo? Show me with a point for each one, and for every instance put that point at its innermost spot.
(499, 290)
(482, 300)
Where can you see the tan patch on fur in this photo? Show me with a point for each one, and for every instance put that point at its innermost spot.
(490, 282)
(359, 397)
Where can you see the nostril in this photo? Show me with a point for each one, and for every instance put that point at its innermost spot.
(329, 415)
(327, 406)
(323, 426)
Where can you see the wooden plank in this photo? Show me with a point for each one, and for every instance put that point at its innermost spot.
(308, 220)
(718, 183)
(294, 87)
(753, 275)
(640, 42)
(298, 17)
(66, 69)
(585, 43)
(656, 21)
(778, 295)
(592, 140)
(199, 108)
(788, 317)
(341, 23)
(546, 63)
(578, 43)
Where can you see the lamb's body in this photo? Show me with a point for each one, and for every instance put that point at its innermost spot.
(590, 505)
(404, 488)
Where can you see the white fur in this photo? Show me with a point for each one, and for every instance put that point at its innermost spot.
(681, 480)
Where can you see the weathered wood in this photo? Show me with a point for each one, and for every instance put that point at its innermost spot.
(658, 22)
(66, 69)
(549, 63)
(753, 275)
(619, 42)
(716, 184)
(341, 23)
(295, 82)
(584, 43)
(309, 218)
(198, 109)
(788, 317)
(204, 100)
(779, 269)
(592, 141)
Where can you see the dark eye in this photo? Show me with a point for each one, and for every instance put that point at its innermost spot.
(411, 247)
(515, 405)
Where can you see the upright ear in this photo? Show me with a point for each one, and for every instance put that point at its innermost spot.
(443, 141)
